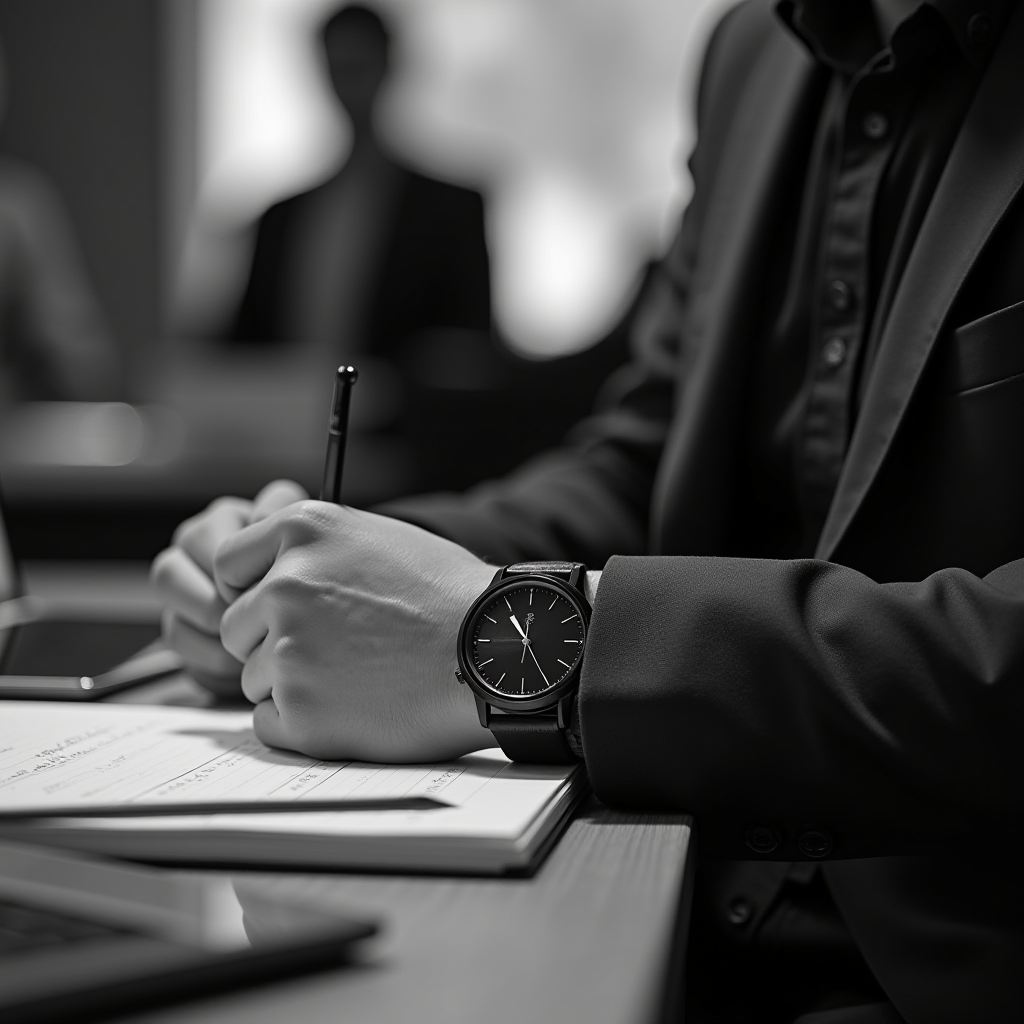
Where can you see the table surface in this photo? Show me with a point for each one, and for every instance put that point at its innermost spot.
(592, 937)
(596, 935)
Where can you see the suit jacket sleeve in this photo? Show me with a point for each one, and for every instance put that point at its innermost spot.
(791, 694)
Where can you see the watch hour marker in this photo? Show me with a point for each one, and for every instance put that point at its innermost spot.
(522, 685)
(531, 597)
(571, 617)
(565, 663)
(508, 603)
(564, 641)
(489, 619)
(503, 674)
(489, 660)
(552, 605)
(484, 640)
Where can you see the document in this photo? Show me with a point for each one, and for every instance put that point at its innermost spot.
(187, 784)
(102, 759)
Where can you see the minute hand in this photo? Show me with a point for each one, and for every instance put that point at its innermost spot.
(529, 647)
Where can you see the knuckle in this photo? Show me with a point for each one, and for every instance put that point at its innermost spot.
(226, 503)
(287, 649)
(161, 572)
(189, 529)
(287, 586)
(307, 521)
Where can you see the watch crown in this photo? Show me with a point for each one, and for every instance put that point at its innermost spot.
(459, 677)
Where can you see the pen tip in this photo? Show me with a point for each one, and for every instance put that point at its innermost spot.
(348, 373)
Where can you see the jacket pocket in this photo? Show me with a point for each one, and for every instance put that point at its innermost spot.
(986, 351)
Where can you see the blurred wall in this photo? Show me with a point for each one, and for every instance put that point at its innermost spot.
(84, 99)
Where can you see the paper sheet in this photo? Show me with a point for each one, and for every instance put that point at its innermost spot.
(58, 759)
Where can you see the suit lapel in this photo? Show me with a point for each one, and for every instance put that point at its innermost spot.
(692, 490)
(983, 175)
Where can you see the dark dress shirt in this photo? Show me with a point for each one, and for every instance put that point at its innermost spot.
(887, 119)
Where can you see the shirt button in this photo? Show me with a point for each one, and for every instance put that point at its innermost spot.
(839, 295)
(815, 842)
(875, 125)
(739, 912)
(762, 839)
(834, 352)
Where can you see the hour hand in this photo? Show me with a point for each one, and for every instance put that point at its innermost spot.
(515, 622)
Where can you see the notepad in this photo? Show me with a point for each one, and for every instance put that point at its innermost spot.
(196, 785)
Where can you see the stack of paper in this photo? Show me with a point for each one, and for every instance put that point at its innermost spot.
(192, 785)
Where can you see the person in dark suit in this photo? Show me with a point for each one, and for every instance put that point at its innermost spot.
(807, 496)
(378, 254)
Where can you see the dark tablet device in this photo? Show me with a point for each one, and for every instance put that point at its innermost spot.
(68, 653)
(82, 938)
(78, 658)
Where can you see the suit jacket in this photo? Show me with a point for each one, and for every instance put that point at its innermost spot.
(867, 703)
(434, 271)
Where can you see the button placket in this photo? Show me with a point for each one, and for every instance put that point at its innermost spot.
(863, 152)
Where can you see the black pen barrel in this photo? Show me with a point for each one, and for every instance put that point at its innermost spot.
(337, 434)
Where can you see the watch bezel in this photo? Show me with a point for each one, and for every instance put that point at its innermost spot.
(535, 702)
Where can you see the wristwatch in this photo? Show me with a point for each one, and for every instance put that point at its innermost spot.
(520, 650)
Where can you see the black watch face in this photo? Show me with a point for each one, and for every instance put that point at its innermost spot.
(526, 640)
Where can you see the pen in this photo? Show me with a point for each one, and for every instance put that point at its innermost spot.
(337, 433)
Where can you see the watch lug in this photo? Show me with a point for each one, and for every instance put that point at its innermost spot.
(574, 577)
(483, 710)
(459, 677)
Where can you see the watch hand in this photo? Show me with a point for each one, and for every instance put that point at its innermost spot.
(525, 636)
(539, 669)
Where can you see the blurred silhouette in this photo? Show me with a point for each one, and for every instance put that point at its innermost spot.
(53, 344)
(366, 262)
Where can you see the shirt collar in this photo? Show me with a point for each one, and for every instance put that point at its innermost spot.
(845, 35)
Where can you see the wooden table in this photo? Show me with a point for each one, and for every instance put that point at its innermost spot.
(596, 935)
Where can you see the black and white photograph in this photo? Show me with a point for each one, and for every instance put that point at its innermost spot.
(511, 511)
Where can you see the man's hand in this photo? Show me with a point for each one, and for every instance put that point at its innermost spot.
(183, 578)
(347, 622)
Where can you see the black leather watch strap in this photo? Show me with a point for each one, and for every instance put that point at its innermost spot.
(562, 569)
(532, 738)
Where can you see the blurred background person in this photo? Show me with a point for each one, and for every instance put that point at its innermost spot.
(53, 343)
(378, 252)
